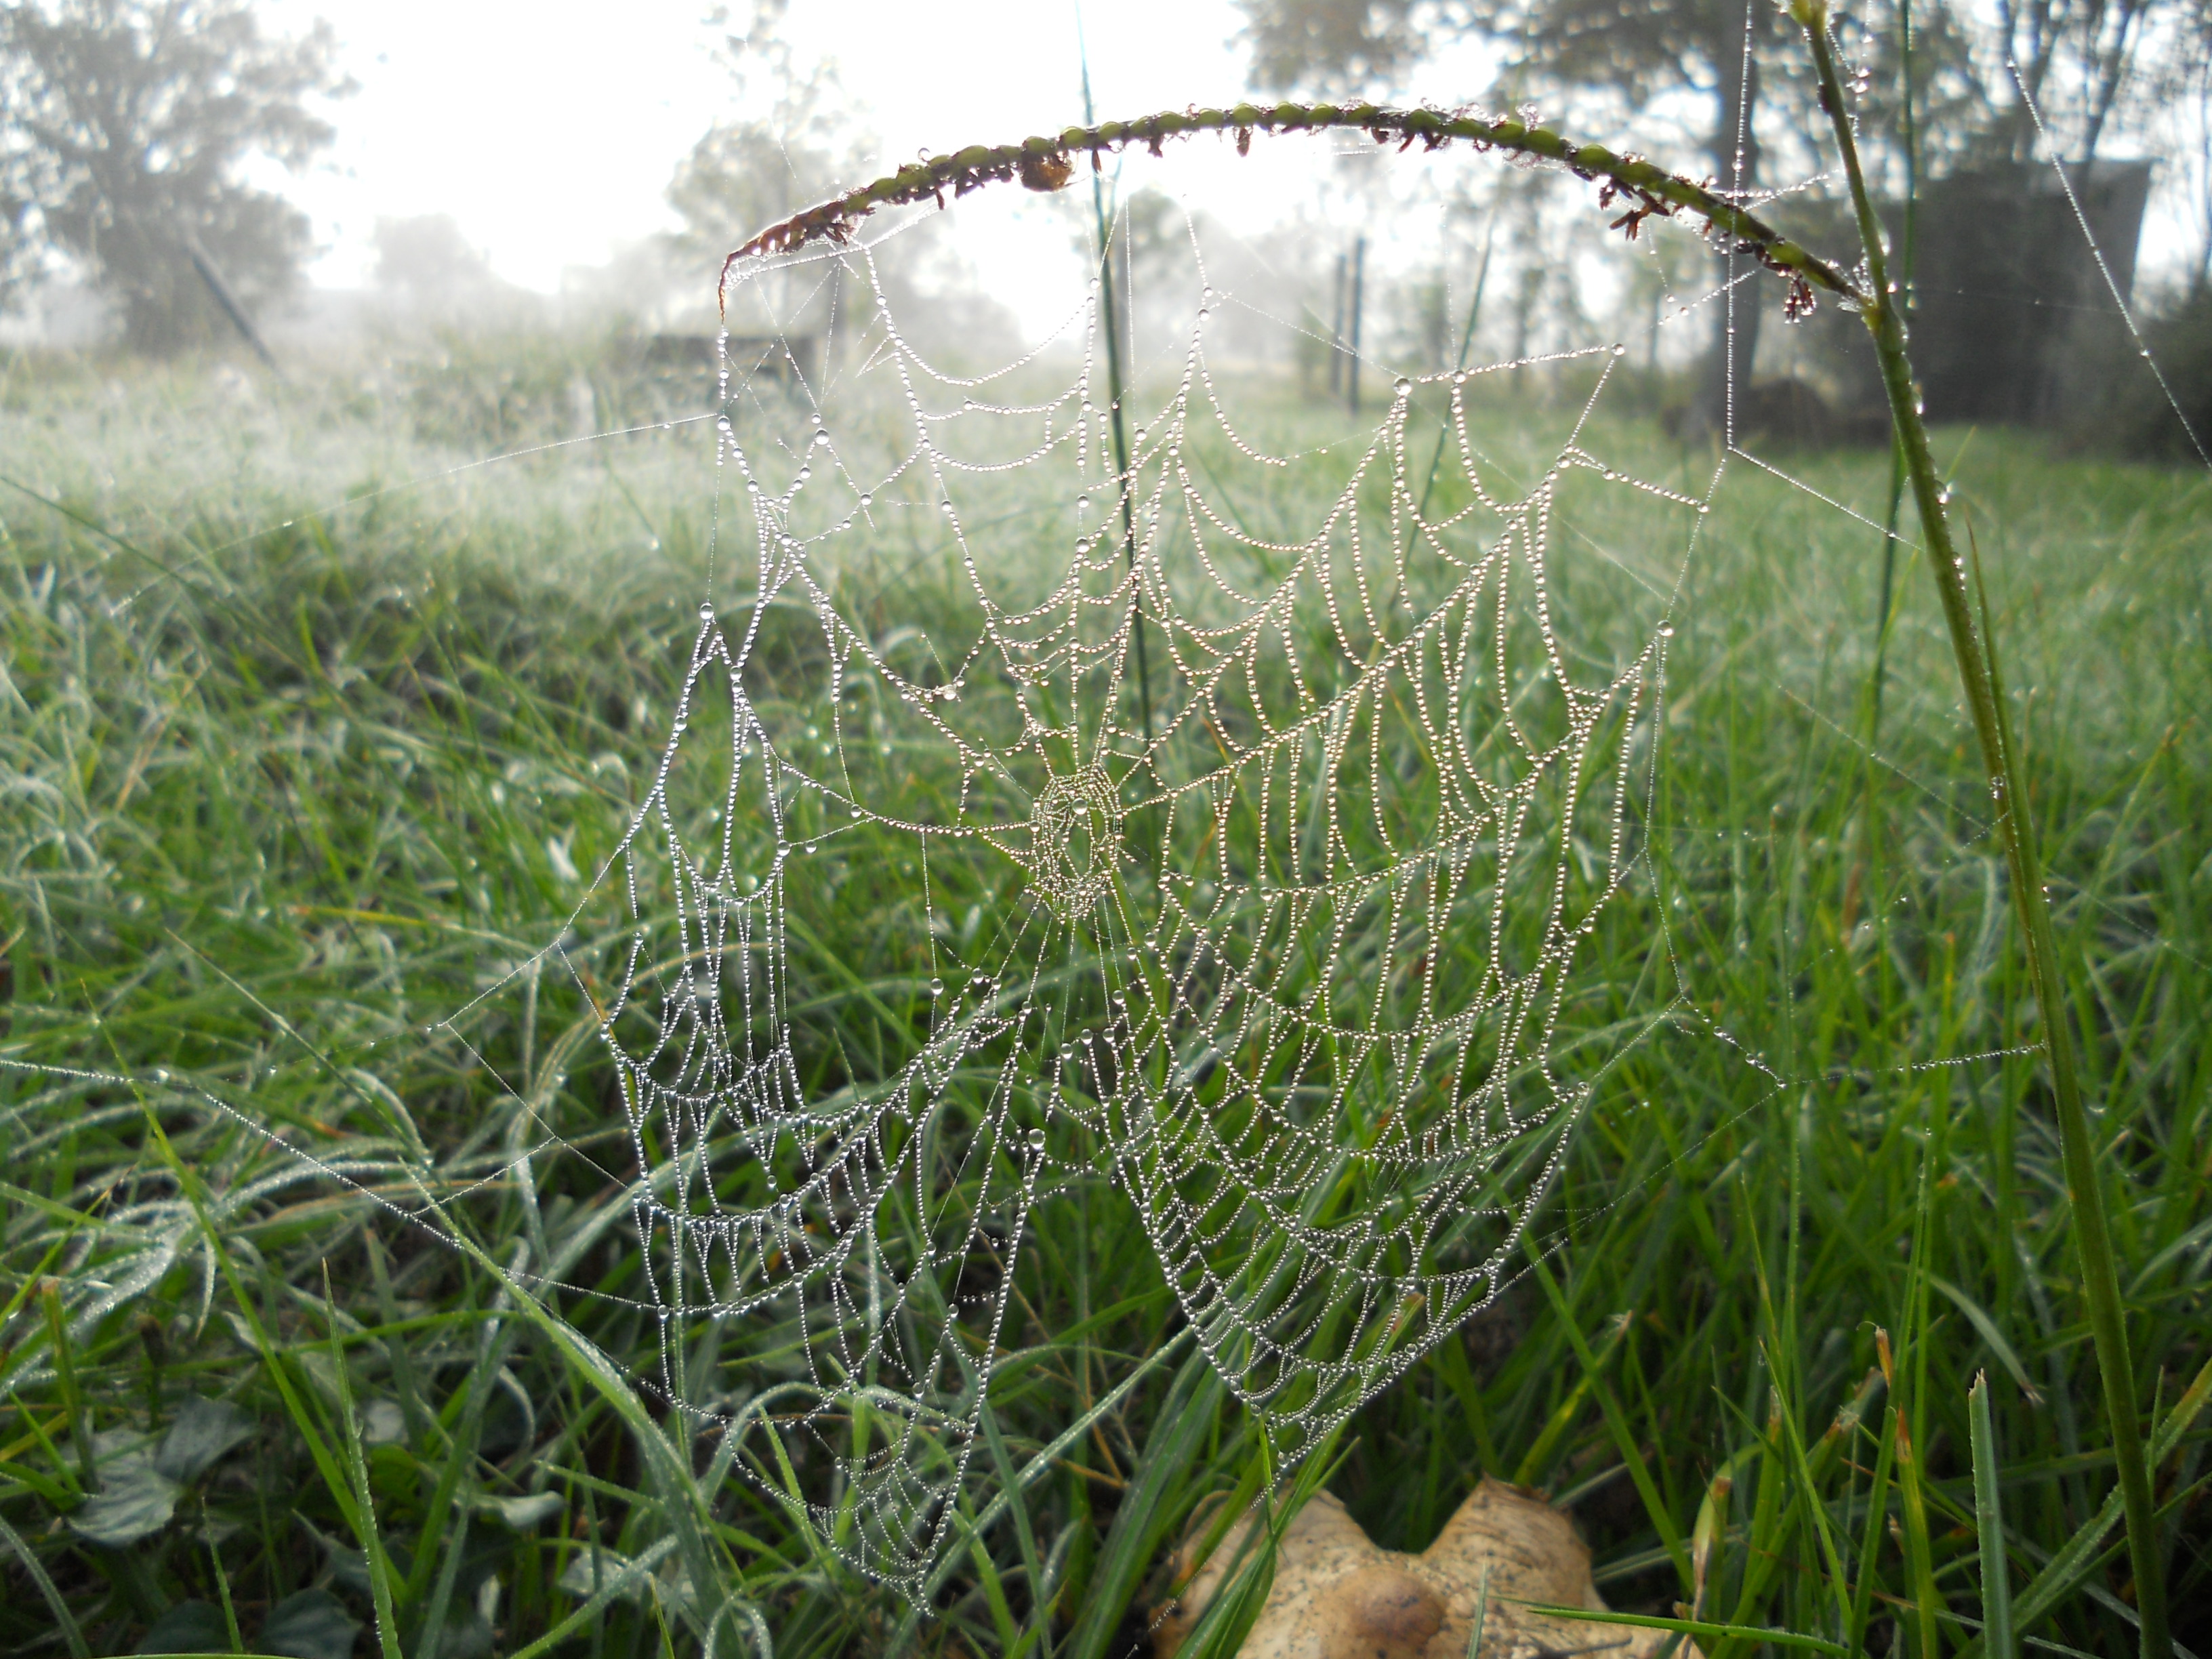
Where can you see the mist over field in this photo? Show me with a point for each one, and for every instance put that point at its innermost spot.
(453, 185)
(1328, 826)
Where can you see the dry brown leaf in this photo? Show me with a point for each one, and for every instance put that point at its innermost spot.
(1337, 1596)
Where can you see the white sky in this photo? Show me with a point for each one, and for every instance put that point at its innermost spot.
(549, 132)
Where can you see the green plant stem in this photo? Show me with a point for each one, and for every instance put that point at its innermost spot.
(1885, 605)
(1870, 1539)
(1989, 1522)
(1906, 254)
(1124, 482)
(1927, 1605)
(65, 1375)
(2092, 1237)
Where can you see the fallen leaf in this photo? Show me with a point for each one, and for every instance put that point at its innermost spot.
(1336, 1595)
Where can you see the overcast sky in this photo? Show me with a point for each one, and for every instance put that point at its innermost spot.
(550, 131)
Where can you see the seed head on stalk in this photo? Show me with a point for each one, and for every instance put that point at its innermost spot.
(1047, 164)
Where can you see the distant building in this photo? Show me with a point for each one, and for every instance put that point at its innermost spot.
(2013, 321)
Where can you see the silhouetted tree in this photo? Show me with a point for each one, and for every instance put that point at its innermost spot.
(1302, 44)
(425, 267)
(749, 173)
(122, 127)
(2090, 47)
(804, 146)
(740, 176)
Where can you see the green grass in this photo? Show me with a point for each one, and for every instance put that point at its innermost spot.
(290, 779)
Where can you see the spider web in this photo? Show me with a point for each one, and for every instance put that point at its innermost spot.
(1233, 807)
(1290, 839)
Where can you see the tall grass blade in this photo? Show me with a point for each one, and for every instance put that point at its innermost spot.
(64, 1621)
(1972, 653)
(365, 1525)
(1156, 1498)
(1988, 1525)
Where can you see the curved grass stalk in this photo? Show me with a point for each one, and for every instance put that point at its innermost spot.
(1882, 309)
(1047, 164)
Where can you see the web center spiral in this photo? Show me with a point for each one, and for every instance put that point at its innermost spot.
(1075, 835)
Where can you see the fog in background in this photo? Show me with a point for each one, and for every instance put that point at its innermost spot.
(496, 173)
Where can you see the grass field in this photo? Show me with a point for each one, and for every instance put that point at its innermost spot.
(303, 754)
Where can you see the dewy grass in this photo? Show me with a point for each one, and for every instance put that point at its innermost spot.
(282, 798)
(332, 760)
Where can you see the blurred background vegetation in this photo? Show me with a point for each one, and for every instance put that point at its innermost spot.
(142, 207)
